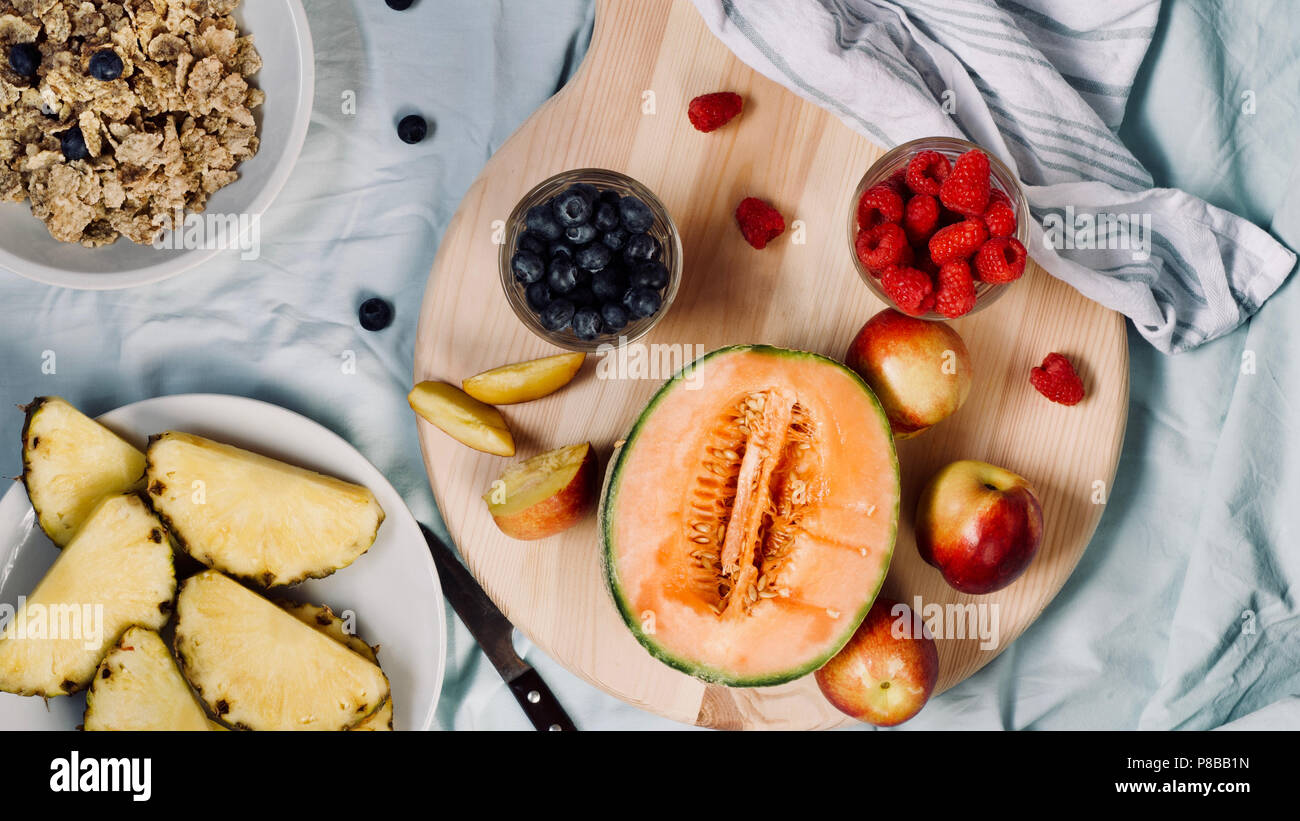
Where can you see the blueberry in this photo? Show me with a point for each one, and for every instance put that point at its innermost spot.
(73, 143)
(557, 315)
(636, 215)
(586, 323)
(641, 248)
(606, 217)
(105, 65)
(580, 234)
(24, 59)
(527, 267)
(541, 221)
(611, 196)
(594, 257)
(562, 275)
(583, 297)
(614, 239)
(573, 207)
(399, 5)
(653, 275)
(537, 295)
(412, 129)
(531, 242)
(375, 314)
(560, 248)
(608, 284)
(642, 302)
(614, 316)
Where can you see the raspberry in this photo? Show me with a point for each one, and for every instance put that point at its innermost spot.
(860, 248)
(920, 218)
(966, 190)
(759, 222)
(910, 289)
(956, 293)
(926, 172)
(883, 246)
(710, 112)
(879, 203)
(1000, 260)
(1057, 379)
(897, 183)
(957, 241)
(1000, 219)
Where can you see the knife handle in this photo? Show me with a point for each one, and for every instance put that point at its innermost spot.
(539, 703)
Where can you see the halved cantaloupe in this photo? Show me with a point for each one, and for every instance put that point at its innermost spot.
(749, 519)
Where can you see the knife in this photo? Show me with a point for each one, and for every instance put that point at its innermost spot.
(492, 630)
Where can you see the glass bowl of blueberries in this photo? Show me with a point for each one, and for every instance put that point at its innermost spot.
(590, 258)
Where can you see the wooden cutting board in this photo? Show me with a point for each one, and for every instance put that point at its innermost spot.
(625, 110)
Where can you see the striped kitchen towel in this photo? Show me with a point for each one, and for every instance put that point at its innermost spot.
(1042, 84)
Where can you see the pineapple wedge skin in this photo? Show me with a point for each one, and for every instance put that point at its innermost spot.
(70, 463)
(261, 520)
(257, 667)
(138, 687)
(321, 617)
(121, 563)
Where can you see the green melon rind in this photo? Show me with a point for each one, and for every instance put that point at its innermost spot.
(609, 493)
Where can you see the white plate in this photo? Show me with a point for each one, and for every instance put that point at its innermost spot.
(288, 76)
(393, 588)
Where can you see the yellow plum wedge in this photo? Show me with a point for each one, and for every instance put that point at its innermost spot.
(546, 494)
(524, 381)
(462, 417)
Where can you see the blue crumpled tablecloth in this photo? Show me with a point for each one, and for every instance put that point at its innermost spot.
(1182, 613)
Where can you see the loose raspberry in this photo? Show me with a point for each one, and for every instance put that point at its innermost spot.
(710, 112)
(956, 292)
(910, 289)
(883, 246)
(1000, 219)
(759, 222)
(879, 204)
(1001, 259)
(926, 172)
(920, 218)
(966, 190)
(1057, 379)
(957, 241)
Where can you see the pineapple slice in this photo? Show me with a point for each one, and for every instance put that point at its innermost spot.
(321, 618)
(256, 518)
(116, 572)
(70, 463)
(257, 667)
(139, 688)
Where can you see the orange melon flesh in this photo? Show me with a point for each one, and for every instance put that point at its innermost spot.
(811, 518)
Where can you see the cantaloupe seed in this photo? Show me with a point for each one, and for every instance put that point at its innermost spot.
(775, 433)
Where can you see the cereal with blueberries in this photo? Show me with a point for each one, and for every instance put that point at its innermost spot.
(118, 117)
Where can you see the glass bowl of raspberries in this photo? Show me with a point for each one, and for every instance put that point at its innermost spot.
(938, 228)
(591, 257)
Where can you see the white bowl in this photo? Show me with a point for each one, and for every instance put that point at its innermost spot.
(288, 76)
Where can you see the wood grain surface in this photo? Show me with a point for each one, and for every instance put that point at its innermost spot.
(625, 110)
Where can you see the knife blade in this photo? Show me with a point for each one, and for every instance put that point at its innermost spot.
(493, 632)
